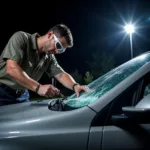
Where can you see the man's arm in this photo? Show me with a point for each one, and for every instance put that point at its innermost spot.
(15, 71)
(68, 81)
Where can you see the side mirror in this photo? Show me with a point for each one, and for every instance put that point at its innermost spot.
(134, 114)
(141, 112)
(137, 115)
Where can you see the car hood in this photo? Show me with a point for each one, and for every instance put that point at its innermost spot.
(32, 123)
(26, 110)
(33, 110)
(33, 118)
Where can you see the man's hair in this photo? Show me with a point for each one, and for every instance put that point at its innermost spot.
(62, 30)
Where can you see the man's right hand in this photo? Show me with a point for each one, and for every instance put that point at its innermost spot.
(48, 91)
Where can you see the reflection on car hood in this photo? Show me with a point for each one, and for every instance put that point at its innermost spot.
(26, 110)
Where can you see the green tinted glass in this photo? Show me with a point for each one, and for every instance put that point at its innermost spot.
(106, 82)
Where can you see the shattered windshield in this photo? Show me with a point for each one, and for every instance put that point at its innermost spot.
(103, 84)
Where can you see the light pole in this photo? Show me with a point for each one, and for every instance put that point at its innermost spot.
(130, 29)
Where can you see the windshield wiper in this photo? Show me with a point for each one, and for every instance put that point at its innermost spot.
(59, 105)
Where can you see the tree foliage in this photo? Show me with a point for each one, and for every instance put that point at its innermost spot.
(88, 78)
(76, 75)
(101, 63)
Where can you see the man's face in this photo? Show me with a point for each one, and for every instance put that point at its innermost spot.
(54, 45)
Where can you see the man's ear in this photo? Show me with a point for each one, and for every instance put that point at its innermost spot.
(49, 34)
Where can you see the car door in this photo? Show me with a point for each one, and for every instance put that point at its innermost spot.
(102, 131)
(127, 136)
(96, 129)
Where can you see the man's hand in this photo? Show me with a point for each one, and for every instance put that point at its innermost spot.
(79, 88)
(48, 91)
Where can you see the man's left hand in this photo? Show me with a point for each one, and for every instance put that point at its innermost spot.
(79, 88)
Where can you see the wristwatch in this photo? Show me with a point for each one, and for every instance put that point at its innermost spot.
(74, 86)
(37, 88)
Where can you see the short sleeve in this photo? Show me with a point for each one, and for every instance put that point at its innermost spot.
(15, 47)
(54, 68)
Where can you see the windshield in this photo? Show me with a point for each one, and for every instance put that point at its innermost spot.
(106, 82)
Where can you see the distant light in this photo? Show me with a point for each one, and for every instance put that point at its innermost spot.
(129, 28)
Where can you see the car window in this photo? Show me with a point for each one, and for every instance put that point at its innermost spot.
(106, 82)
(147, 89)
(127, 98)
(131, 96)
(146, 86)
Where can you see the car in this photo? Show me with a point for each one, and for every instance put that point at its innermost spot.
(113, 115)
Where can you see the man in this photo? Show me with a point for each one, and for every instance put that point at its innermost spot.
(26, 57)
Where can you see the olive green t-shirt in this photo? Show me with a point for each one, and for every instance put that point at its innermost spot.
(22, 48)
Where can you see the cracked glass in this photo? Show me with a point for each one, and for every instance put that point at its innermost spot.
(105, 83)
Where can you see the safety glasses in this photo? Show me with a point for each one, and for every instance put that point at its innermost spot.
(58, 45)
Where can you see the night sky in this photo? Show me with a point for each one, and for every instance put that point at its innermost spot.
(95, 25)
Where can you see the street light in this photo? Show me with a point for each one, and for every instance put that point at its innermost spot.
(129, 28)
